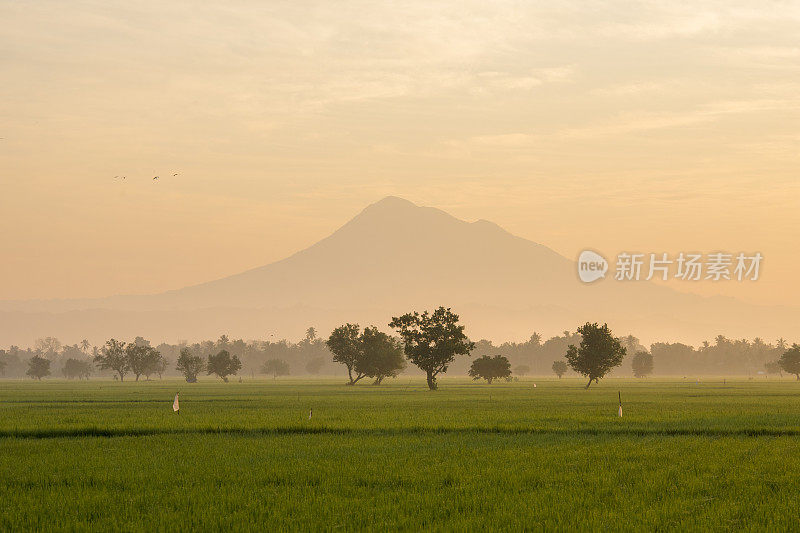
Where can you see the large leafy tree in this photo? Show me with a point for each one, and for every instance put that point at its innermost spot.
(143, 359)
(790, 360)
(112, 357)
(598, 353)
(559, 368)
(38, 367)
(490, 368)
(190, 365)
(345, 344)
(76, 369)
(381, 355)
(432, 340)
(223, 365)
(642, 364)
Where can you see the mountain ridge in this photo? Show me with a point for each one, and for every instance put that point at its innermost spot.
(391, 257)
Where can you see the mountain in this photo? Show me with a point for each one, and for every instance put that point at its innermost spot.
(394, 257)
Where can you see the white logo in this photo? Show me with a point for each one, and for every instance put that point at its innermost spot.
(591, 266)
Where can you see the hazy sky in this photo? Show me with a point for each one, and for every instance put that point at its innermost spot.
(663, 127)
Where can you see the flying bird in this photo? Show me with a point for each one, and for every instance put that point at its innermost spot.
(175, 174)
(155, 178)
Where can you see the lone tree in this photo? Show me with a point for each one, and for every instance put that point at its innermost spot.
(38, 367)
(345, 345)
(223, 365)
(112, 357)
(642, 364)
(381, 355)
(559, 368)
(598, 353)
(76, 369)
(190, 365)
(490, 368)
(143, 359)
(432, 340)
(790, 361)
(276, 367)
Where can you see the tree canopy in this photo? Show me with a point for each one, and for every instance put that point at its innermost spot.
(559, 368)
(790, 360)
(598, 353)
(345, 345)
(490, 368)
(38, 367)
(76, 369)
(190, 365)
(381, 355)
(142, 358)
(223, 365)
(642, 364)
(432, 340)
(113, 357)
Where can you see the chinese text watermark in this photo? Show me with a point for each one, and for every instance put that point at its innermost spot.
(686, 266)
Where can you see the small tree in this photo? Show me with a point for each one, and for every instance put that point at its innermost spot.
(559, 368)
(432, 340)
(490, 368)
(642, 364)
(160, 367)
(522, 370)
(276, 367)
(598, 353)
(3, 363)
(790, 361)
(190, 365)
(112, 357)
(345, 345)
(38, 367)
(143, 359)
(381, 355)
(223, 365)
(76, 369)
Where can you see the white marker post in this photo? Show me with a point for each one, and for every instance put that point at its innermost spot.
(620, 403)
(175, 405)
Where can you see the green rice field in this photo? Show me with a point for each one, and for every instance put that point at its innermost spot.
(110, 456)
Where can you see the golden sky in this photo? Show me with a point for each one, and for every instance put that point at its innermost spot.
(656, 127)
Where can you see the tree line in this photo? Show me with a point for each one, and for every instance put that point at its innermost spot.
(431, 341)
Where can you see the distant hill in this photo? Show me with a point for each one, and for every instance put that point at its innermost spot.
(393, 257)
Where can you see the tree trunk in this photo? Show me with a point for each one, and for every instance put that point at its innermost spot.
(432, 381)
(489, 380)
(798, 377)
(590, 382)
(121, 376)
(137, 377)
(378, 380)
(350, 375)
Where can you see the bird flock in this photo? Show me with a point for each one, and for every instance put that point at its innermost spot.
(154, 177)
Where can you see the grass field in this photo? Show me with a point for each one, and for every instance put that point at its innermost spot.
(112, 456)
